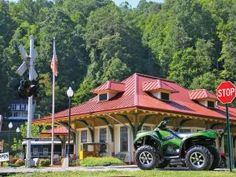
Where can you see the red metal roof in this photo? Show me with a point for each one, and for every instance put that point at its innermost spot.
(200, 94)
(157, 85)
(135, 97)
(110, 85)
(60, 130)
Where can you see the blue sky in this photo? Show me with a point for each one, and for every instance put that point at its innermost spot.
(133, 3)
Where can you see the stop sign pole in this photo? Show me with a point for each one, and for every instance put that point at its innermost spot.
(226, 93)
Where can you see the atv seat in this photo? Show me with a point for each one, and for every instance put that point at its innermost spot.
(183, 135)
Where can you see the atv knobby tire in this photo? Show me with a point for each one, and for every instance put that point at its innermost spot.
(146, 157)
(198, 158)
(216, 157)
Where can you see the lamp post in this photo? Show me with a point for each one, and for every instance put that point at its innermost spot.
(10, 125)
(69, 93)
(17, 131)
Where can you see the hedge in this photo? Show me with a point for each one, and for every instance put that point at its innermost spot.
(100, 161)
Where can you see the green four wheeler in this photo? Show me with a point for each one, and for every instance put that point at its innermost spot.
(155, 149)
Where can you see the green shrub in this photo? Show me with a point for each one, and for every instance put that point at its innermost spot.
(74, 162)
(20, 162)
(12, 165)
(100, 161)
(44, 162)
(13, 160)
(5, 164)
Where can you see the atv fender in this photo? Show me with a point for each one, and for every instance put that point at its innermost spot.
(147, 139)
(194, 140)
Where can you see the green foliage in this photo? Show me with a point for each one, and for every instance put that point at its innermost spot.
(35, 130)
(75, 162)
(100, 161)
(44, 162)
(207, 81)
(17, 145)
(189, 63)
(189, 41)
(19, 162)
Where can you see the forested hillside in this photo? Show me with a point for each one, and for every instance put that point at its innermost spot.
(190, 41)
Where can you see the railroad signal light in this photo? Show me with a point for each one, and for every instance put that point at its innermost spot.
(28, 88)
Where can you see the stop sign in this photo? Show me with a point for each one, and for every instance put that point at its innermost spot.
(225, 92)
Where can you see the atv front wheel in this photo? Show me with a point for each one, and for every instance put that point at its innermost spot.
(198, 158)
(146, 157)
(216, 157)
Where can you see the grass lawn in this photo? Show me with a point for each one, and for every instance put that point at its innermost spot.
(152, 173)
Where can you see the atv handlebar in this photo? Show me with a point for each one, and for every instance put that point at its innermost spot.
(163, 124)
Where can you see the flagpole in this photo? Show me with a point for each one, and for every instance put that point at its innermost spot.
(53, 106)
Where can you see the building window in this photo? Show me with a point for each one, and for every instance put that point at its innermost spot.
(123, 139)
(22, 107)
(103, 97)
(165, 96)
(13, 107)
(16, 114)
(211, 104)
(45, 151)
(24, 114)
(18, 107)
(103, 135)
(103, 139)
(83, 136)
(35, 151)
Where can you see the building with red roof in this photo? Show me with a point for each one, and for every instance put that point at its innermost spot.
(119, 109)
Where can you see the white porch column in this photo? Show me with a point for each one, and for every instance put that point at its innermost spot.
(76, 149)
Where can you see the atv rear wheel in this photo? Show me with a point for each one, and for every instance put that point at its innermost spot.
(216, 157)
(146, 157)
(198, 158)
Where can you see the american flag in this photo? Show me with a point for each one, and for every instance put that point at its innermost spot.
(54, 62)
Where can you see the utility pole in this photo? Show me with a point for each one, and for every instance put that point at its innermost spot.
(28, 63)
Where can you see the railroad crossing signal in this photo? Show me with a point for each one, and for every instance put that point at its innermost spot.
(26, 62)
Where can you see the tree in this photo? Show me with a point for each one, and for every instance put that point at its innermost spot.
(35, 132)
(115, 50)
(228, 58)
(207, 81)
(7, 27)
(175, 28)
(191, 63)
(72, 56)
(98, 41)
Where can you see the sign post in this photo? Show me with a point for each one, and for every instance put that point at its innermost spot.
(226, 93)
